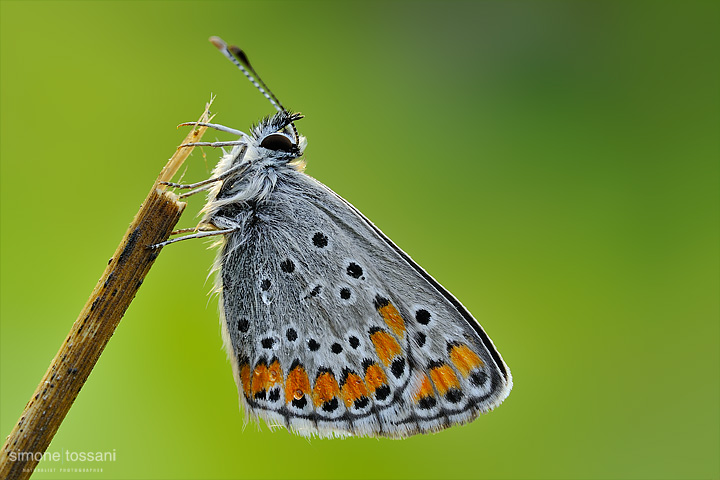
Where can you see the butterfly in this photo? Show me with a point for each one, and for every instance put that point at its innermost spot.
(331, 329)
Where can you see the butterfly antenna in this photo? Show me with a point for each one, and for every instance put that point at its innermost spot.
(238, 57)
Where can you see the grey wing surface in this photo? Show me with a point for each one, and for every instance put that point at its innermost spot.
(333, 330)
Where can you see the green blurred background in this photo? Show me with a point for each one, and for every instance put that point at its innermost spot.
(554, 164)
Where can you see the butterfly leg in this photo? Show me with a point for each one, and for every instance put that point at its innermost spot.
(225, 174)
(195, 235)
(193, 192)
(216, 126)
(205, 184)
(199, 228)
(214, 144)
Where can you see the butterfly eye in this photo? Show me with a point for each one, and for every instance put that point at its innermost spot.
(277, 141)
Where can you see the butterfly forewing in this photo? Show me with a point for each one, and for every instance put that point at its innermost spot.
(333, 330)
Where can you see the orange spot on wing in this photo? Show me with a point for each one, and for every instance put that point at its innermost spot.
(374, 377)
(464, 359)
(260, 380)
(326, 387)
(425, 390)
(393, 319)
(444, 378)
(353, 389)
(297, 384)
(275, 376)
(385, 346)
(245, 378)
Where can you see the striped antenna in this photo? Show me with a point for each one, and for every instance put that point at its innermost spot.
(239, 58)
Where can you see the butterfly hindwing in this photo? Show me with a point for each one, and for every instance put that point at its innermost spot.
(333, 330)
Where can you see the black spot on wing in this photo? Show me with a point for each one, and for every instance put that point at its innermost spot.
(320, 240)
(398, 367)
(422, 316)
(354, 270)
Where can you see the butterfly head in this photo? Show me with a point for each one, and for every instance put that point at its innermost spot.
(277, 134)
